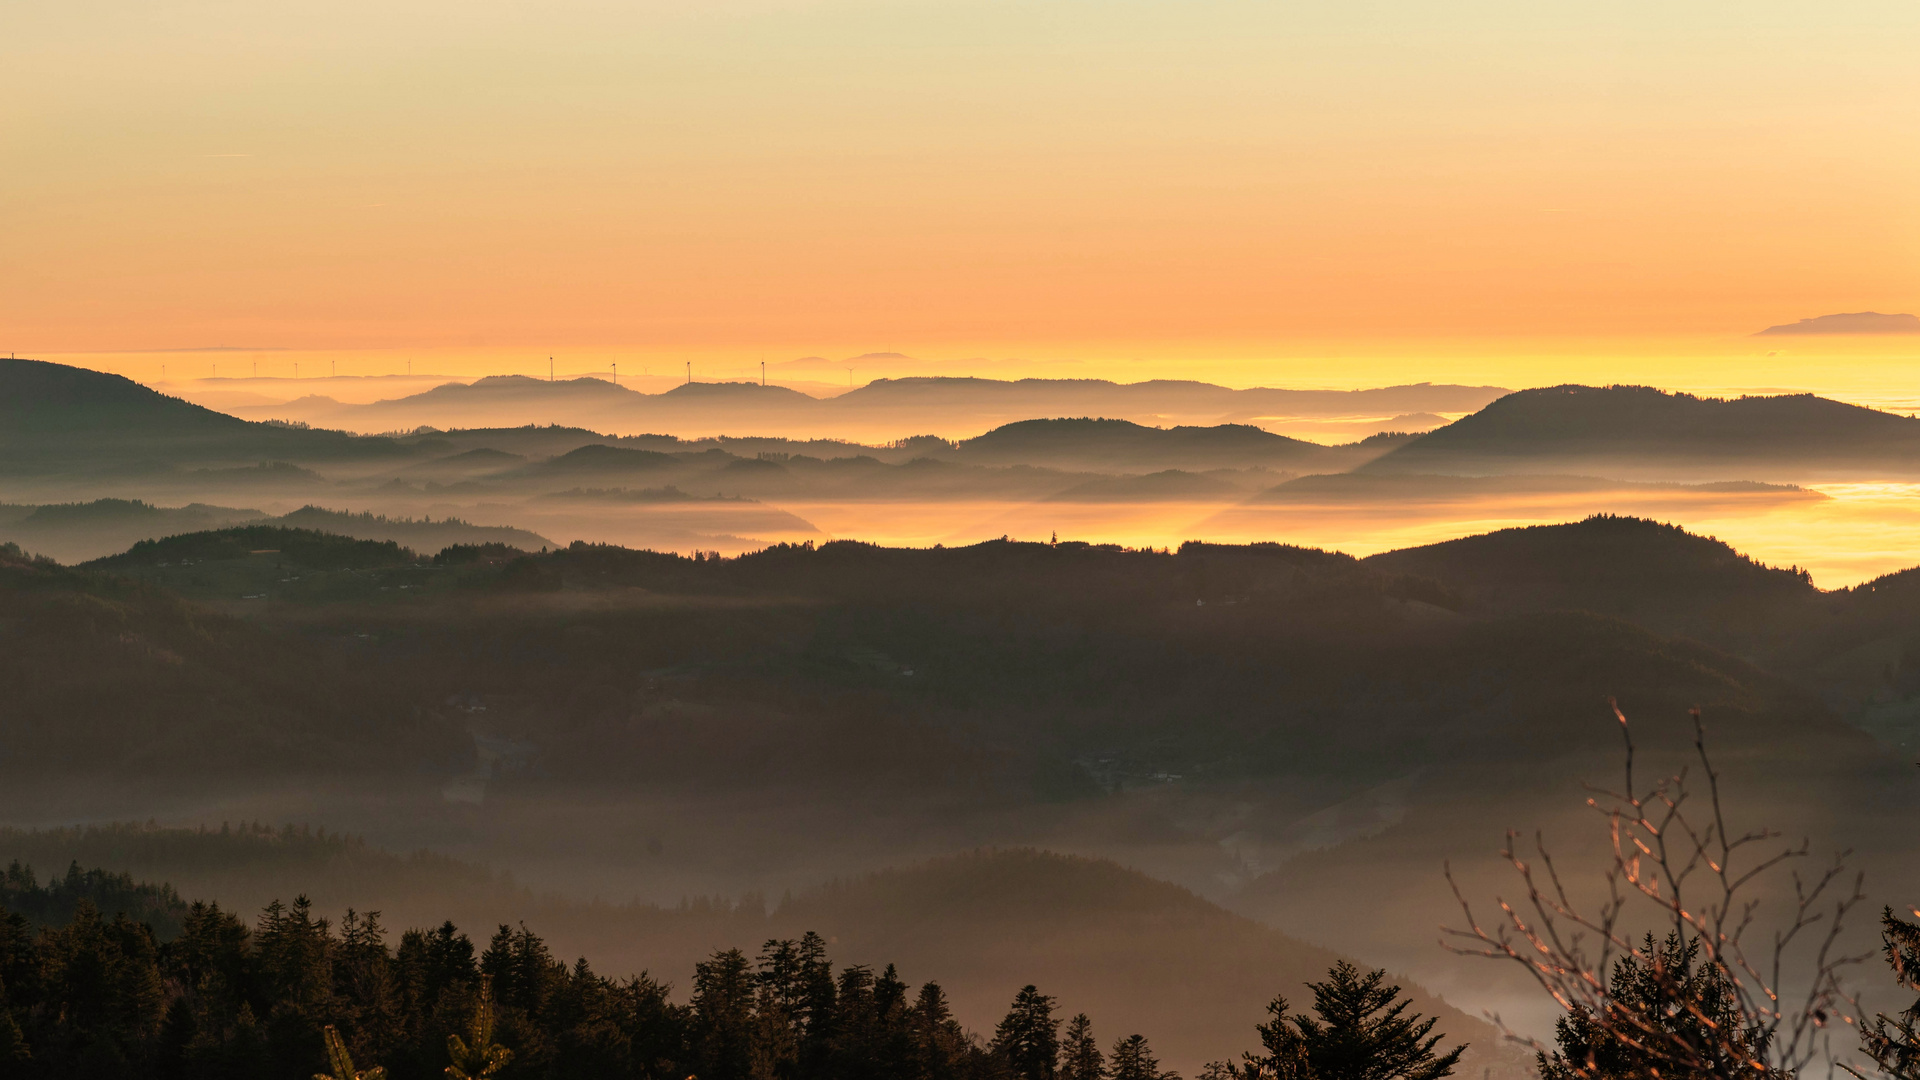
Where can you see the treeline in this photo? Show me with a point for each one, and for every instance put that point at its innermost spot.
(22, 896)
(294, 996)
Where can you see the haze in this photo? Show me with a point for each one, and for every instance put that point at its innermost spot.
(1219, 184)
(958, 540)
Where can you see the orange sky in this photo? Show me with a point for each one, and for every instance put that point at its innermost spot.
(1304, 193)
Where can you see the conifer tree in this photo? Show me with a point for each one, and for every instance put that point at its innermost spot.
(478, 1057)
(893, 1044)
(777, 1006)
(1080, 1057)
(816, 990)
(1669, 1015)
(1133, 1060)
(1360, 1031)
(523, 970)
(341, 1062)
(856, 1030)
(939, 1045)
(364, 984)
(1893, 1042)
(723, 1028)
(1028, 1039)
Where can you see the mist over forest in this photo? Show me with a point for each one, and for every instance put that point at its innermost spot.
(644, 717)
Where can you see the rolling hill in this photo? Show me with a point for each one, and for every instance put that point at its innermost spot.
(631, 723)
(58, 418)
(1636, 430)
(1110, 445)
(79, 532)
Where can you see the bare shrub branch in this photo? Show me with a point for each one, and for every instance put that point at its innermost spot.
(1677, 863)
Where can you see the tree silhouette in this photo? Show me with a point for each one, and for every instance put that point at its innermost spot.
(1133, 1060)
(1080, 1057)
(1028, 1039)
(1359, 1031)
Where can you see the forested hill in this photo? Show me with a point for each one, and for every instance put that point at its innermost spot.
(1656, 575)
(76, 532)
(57, 418)
(1094, 443)
(107, 672)
(845, 662)
(1543, 430)
(308, 548)
(46, 400)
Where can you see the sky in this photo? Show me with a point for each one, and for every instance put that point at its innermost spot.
(1330, 192)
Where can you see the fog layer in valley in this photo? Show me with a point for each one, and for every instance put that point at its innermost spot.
(1262, 689)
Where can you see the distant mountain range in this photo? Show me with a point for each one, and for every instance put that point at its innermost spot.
(70, 435)
(882, 410)
(1858, 322)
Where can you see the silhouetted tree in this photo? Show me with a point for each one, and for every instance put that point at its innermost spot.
(1028, 1039)
(1133, 1060)
(1359, 1031)
(1080, 1057)
(817, 1004)
(940, 1047)
(723, 1027)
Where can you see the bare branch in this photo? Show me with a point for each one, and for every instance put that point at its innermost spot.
(1698, 1004)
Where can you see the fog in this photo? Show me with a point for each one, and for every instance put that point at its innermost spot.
(1162, 720)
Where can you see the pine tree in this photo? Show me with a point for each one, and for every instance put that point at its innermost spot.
(939, 1044)
(1359, 1032)
(364, 984)
(817, 1003)
(478, 1057)
(893, 1044)
(523, 970)
(856, 1030)
(1133, 1060)
(1080, 1057)
(1893, 1042)
(723, 1022)
(1028, 1040)
(341, 1062)
(777, 1008)
(1668, 1015)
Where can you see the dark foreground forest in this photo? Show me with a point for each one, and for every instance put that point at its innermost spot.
(84, 995)
(207, 995)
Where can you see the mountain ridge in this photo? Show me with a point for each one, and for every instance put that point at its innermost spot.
(1640, 427)
(75, 417)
